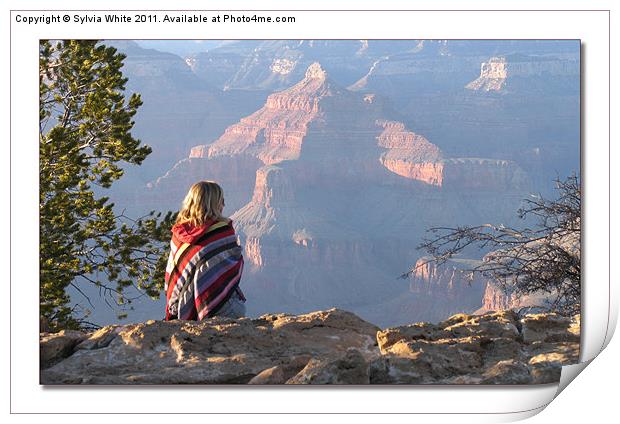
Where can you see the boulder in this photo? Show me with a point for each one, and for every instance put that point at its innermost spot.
(281, 373)
(54, 347)
(435, 361)
(419, 331)
(547, 327)
(351, 368)
(392, 369)
(494, 348)
(507, 372)
(495, 324)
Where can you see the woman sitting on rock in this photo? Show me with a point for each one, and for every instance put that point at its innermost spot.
(205, 263)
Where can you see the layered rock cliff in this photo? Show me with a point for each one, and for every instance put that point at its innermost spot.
(324, 347)
(536, 107)
(275, 132)
(497, 73)
(325, 188)
(179, 109)
(496, 299)
(350, 129)
(297, 256)
(234, 174)
(410, 155)
(452, 288)
(492, 77)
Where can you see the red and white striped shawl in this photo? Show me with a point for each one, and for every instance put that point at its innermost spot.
(201, 276)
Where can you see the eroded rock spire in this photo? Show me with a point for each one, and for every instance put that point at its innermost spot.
(315, 71)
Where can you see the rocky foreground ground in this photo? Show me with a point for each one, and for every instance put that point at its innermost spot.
(324, 347)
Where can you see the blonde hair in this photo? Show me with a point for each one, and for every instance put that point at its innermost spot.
(203, 201)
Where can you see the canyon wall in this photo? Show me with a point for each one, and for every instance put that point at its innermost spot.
(234, 175)
(275, 132)
(497, 72)
(530, 113)
(325, 188)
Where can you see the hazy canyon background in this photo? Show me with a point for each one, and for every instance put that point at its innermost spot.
(336, 155)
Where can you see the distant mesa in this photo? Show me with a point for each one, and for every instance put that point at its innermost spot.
(492, 77)
(498, 72)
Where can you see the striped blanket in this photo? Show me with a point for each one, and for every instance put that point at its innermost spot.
(203, 274)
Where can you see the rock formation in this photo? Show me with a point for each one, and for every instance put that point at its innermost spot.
(234, 174)
(447, 289)
(484, 174)
(438, 291)
(324, 347)
(495, 298)
(537, 106)
(323, 119)
(324, 188)
(277, 64)
(179, 111)
(434, 293)
(410, 155)
(275, 132)
(496, 348)
(492, 76)
(496, 74)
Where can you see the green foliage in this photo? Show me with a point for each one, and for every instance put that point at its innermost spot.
(85, 125)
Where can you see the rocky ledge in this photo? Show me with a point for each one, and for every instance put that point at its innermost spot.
(325, 347)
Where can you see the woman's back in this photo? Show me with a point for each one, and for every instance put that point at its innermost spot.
(205, 263)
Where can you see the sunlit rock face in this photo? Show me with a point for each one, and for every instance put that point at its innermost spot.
(330, 195)
(497, 73)
(410, 155)
(498, 298)
(492, 76)
(275, 132)
(179, 109)
(322, 347)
